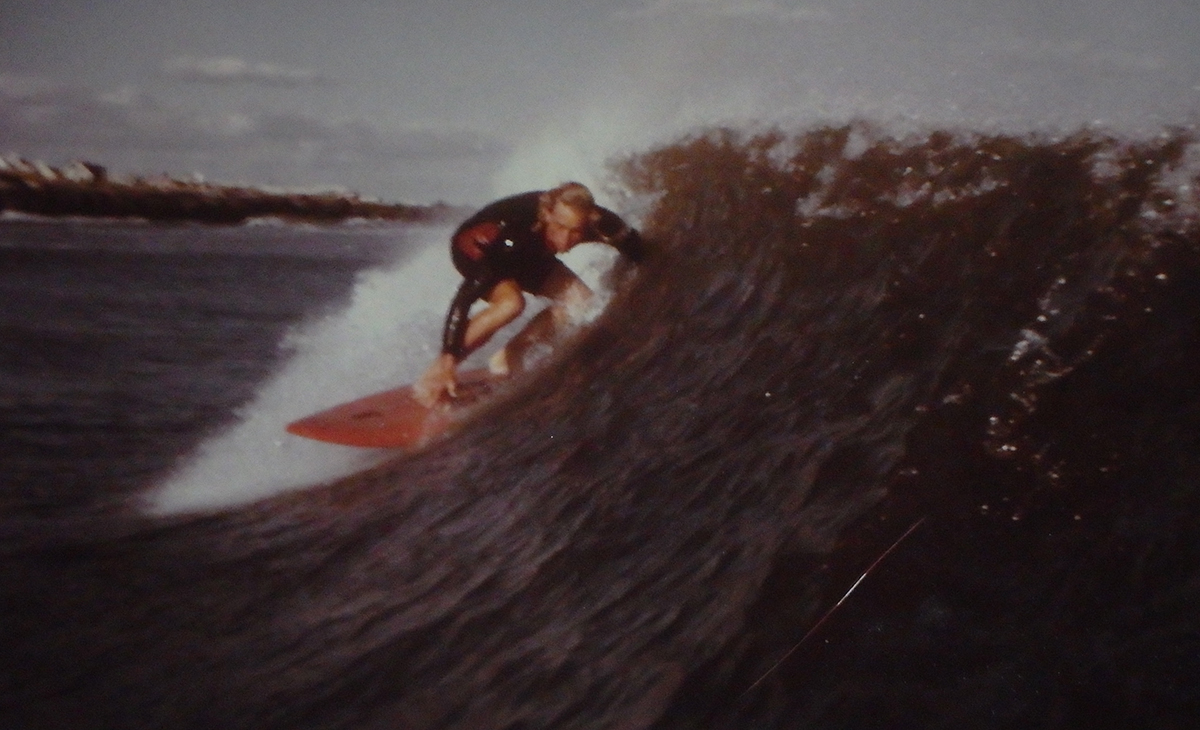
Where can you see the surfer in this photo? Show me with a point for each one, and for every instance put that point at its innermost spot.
(510, 247)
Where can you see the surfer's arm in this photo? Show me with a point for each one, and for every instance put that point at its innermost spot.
(620, 235)
(455, 331)
(471, 245)
(473, 241)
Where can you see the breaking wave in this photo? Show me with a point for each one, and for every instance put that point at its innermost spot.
(841, 334)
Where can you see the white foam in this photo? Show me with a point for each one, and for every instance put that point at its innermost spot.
(387, 335)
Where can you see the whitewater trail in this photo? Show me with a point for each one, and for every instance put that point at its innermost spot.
(385, 336)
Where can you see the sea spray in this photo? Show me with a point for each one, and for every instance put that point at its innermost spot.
(384, 337)
(378, 340)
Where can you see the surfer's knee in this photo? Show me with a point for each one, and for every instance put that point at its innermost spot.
(561, 315)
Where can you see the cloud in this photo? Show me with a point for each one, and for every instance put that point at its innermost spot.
(38, 112)
(1081, 52)
(752, 10)
(346, 140)
(21, 85)
(229, 70)
(133, 132)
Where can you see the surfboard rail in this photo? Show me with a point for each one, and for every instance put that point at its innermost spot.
(393, 418)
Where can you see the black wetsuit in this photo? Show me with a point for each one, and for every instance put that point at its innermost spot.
(514, 250)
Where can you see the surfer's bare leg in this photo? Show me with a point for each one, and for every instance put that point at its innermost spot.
(506, 302)
(567, 293)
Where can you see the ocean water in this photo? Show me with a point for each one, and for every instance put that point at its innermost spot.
(126, 345)
(888, 432)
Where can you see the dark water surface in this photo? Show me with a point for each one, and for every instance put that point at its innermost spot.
(121, 345)
(841, 335)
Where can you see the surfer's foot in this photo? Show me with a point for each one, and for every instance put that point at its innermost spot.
(498, 363)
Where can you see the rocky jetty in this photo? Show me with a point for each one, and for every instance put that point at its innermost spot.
(86, 189)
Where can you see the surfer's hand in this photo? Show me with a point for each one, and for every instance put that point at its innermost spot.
(437, 380)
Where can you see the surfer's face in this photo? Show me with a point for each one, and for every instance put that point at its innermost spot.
(563, 227)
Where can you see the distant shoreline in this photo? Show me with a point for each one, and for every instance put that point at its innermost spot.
(84, 189)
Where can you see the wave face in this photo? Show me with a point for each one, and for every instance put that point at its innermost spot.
(840, 335)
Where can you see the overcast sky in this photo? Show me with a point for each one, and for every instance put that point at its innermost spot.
(463, 100)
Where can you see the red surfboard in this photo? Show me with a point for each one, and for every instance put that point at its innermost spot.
(393, 418)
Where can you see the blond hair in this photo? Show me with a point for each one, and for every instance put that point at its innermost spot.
(575, 196)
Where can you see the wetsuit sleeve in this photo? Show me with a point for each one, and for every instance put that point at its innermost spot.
(620, 235)
(455, 331)
(474, 241)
